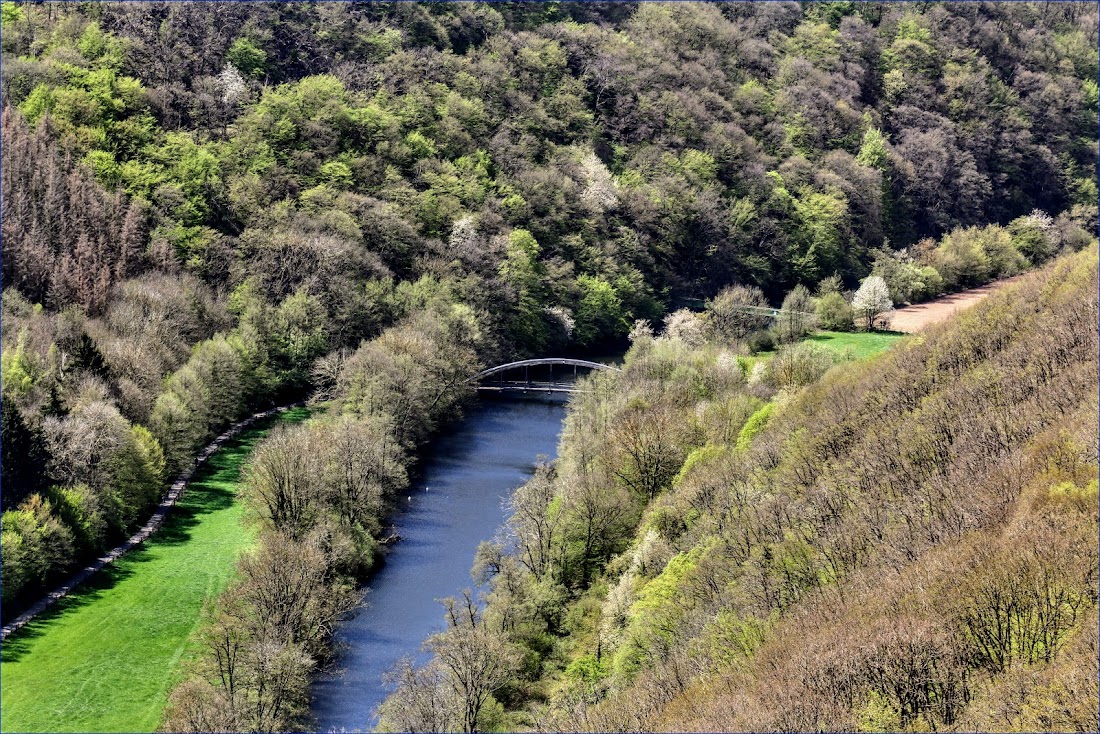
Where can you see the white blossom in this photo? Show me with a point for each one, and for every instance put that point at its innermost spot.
(231, 83)
(1041, 220)
(872, 299)
(563, 317)
(641, 331)
(685, 326)
(463, 234)
(601, 190)
(759, 373)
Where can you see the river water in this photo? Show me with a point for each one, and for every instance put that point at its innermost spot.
(457, 503)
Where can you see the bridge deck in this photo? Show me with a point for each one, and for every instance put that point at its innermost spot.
(523, 387)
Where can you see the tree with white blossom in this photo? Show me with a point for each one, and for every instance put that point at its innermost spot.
(872, 301)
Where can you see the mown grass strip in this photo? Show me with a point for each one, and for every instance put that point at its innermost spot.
(103, 658)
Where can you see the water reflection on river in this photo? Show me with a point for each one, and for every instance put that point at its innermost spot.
(457, 503)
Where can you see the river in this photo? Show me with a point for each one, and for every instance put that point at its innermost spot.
(457, 503)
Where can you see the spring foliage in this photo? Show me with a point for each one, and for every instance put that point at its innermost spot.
(810, 561)
(209, 209)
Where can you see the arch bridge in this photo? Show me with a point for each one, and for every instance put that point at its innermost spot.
(538, 375)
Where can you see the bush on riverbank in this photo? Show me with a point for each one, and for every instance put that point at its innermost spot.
(318, 492)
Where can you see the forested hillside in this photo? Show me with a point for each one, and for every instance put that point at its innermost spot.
(906, 544)
(210, 208)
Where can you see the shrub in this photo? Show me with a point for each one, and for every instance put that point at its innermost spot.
(797, 317)
(737, 312)
(798, 365)
(754, 425)
(835, 313)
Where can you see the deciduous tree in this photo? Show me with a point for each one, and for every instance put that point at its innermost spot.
(872, 301)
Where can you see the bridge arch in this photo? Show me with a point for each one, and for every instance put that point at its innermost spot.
(526, 384)
(540, 363)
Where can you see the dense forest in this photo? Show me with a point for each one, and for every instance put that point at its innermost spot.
(212, 208)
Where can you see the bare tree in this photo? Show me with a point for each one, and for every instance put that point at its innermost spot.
(421, 700)
(291, 589)
(282, 480)
(363, 464)
(796, 317)
(599, 515)
(534, 522)
(737, 312)
(647, 446)
(475, 660)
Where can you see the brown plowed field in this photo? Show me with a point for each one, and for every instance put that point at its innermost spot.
(913, 319)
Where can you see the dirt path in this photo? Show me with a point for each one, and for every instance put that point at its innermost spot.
(913, 319)
(150, 527)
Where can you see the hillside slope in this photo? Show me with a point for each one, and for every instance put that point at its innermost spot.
(906, 542)
(909, 543)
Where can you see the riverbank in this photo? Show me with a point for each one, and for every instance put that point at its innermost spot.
(319, 493)
(104, 658)
(459, 500)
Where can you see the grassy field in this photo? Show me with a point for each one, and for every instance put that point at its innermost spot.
(103, 658)
(859, 344)
(846, 344)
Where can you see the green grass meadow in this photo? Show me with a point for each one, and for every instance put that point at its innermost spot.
(860, 345)
(104, 658)
(845, 344)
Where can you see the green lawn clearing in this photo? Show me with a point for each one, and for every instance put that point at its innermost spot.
(846, 344)
(858, 344)
(104, 658)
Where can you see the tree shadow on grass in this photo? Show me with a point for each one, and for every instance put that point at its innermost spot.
(20, 642)
(212, 490)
